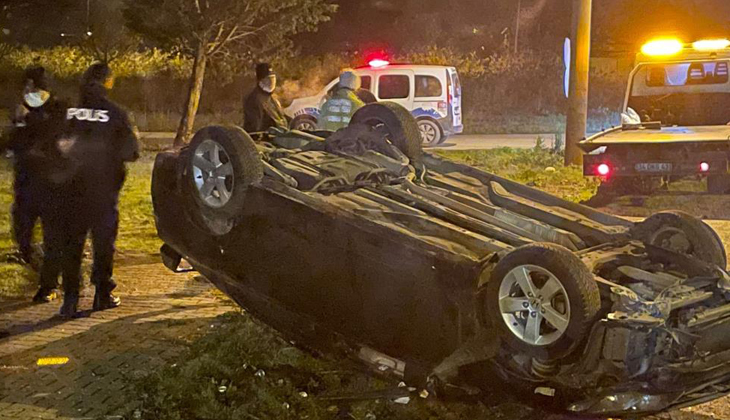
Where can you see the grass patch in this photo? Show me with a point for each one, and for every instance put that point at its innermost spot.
(538, 167)
(137, 233)
(243, 370)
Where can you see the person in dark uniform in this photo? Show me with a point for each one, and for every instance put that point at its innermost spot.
(52, 167)
(261, 110)
(29, 123)
(104, 142)
(39, 121)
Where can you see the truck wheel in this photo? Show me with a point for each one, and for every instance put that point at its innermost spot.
(400, 125)
(681, 232)
(718, 184)
(431, 133)
(543, 300)
(223, 163)
(304, 123)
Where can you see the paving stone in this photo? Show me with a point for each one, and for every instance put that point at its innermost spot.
(105, 350)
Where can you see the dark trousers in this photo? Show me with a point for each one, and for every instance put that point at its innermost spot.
(27, 208)
(60, 256)
(100, 218)
(104, 227)
(60, 225)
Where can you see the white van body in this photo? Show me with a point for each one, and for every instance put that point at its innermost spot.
(432, 94)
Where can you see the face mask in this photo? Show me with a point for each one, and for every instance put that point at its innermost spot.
(36, 99)
(268, 85)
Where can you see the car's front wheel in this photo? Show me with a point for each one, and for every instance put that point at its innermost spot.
(543, 300)
(222, 163)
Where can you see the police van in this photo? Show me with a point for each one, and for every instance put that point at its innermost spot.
(431, 93)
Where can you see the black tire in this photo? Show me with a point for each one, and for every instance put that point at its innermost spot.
(399, 123)
(718, 184)
(240, 151)
(704, 243)
(578, 283)
(304, 123)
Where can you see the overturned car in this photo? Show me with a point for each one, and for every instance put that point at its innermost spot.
(432, 270)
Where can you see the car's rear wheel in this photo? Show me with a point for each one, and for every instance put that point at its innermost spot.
(543, 300)
(223, 163)
(304, 123)
(431, 133)
(398, 123)
(683, 233)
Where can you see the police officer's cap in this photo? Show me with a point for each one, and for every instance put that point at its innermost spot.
(263, 70)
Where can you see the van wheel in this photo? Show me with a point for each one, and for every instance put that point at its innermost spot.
(398, 123)
(304, 123)
(542, 299)
(431, 133)
(222, 164)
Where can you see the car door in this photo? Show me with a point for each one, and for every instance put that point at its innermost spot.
(396, 86)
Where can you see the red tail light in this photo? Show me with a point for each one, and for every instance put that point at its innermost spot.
(704, 167)
(603, 169)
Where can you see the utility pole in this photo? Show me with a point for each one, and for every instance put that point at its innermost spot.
(580, 69)
(88, 17)
(517, 25)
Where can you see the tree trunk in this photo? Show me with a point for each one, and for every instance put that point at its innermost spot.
(185, 129)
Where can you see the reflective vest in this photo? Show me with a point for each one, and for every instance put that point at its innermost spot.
(339, 109)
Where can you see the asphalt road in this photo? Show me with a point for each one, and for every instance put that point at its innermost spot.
(460, 142)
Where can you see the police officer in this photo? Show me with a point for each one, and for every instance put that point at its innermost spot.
(261, 110)
(104, 141)
(29, 120)
(38, 121)
(339, 109)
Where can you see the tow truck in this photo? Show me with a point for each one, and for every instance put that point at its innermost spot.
(674, 122)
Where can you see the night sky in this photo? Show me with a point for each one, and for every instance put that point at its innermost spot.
(467, 25)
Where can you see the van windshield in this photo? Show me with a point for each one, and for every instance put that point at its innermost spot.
(685, 93)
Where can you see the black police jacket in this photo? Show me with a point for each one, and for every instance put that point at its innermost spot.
(34, 144)
(103, 140)
(23, 138)
(262, 111)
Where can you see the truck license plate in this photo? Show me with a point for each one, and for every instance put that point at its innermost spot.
(654, 167)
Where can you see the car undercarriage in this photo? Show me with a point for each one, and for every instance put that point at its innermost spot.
(430, 269)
